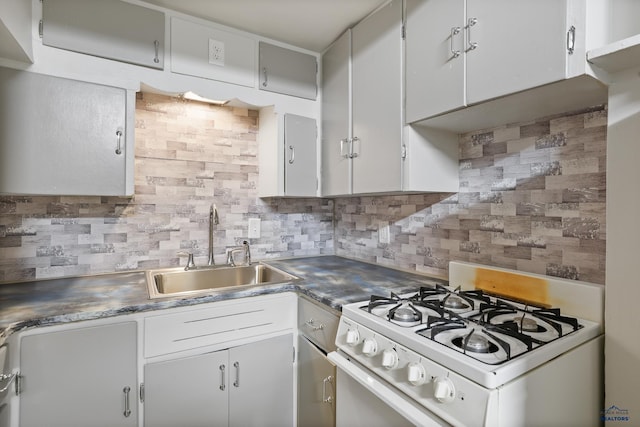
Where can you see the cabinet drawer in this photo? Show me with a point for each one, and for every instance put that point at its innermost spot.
(221, 322)
(318, 324)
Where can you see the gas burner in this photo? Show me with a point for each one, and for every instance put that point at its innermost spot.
(527, 324)
(454, 302)
(405, 314)
(475, 343)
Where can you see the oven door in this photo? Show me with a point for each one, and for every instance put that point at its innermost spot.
(363, 399)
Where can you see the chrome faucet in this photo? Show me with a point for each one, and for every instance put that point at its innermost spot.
(213, 220)
(245, 249)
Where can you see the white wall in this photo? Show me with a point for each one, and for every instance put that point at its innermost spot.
(622, 321)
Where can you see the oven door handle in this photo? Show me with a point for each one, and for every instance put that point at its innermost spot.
(394, 399)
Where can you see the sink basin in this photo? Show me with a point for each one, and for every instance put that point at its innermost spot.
(176, 281)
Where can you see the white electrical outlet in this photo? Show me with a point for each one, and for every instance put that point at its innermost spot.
(254, 228)
(384, 234)
(216, 52)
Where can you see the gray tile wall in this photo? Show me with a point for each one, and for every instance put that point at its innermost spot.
(532, 198)
(188, 156)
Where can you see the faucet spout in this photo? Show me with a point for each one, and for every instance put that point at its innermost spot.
(213, 220)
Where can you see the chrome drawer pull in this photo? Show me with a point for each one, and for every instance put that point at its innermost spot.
(312, 325)
(222, 386)
(571, 40)
(454, 32)
(470, 23)
(293, 154)
(156, 45)
(119, 142)
(127, 409)
(325, 398)
(236, 383)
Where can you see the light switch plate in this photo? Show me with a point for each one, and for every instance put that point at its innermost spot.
(254, 228)
(216, 52)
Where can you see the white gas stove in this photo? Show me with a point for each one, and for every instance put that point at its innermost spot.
(480, 351)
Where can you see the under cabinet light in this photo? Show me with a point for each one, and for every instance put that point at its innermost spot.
(195, 97)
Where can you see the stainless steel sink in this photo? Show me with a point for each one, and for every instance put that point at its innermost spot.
(176, 281)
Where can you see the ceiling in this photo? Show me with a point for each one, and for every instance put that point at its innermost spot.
(309, 24)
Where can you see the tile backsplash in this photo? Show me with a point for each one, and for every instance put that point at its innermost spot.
(188, 156)
(532, 198)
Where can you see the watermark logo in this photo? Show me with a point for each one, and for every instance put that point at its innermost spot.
(613, 413)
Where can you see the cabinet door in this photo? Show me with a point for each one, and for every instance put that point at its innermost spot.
(203, 51)
(261, 383)
(109, 29)
(300, 163)
(187, 392)
(316, 387)
(60, 136)
(434, 57)
(520, 45)
(336, 117)
(377, 101)
(80, 377)
(288, 72)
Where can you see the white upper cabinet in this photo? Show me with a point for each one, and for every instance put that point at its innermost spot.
(377, 101)
(209, 52)
(336, 117)
(109, 29)
(462, 53)
(64, 137)
(362, 103)
(288, 160)
(288, 72)
(366, 148)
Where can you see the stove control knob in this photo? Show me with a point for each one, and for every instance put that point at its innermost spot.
(353, 337)
(416, 373)
(369, 347)
(389, 359)
(443, 390)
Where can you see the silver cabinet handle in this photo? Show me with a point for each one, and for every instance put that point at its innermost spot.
(353, 153)
(127, 409)
(454, 32)
(118, 142)
(222, 384)
(293, 154)
(312, 324)
(470, 23)
(236, 365)
(571, 40)
(325, 398)
(264, 73)
(156, 45)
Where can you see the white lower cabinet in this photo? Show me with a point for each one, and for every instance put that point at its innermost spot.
(80, 377)
(248, 385)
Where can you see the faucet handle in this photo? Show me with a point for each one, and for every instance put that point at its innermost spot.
(247, 253)
(190, 263)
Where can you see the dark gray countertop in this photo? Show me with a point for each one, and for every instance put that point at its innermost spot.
(331, 280)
